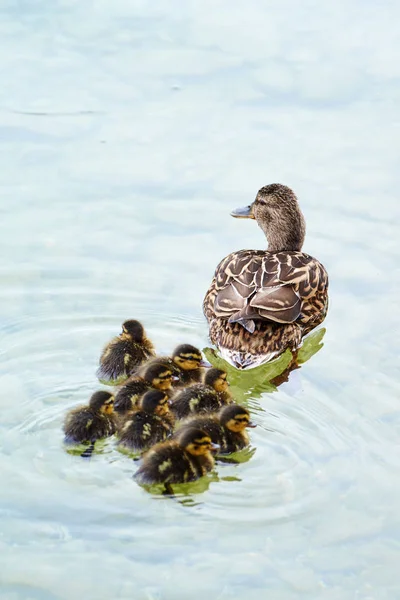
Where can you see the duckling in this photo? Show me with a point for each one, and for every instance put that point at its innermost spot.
(154, 375)
(90, 423)
(186, 363)
(183, 459)
(226, 428)
(151, 423)
(261, 302)
(205, 397)
(124, 354)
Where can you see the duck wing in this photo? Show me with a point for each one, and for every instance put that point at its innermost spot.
(269, 286)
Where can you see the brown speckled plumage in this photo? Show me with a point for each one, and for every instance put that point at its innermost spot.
(261, 302)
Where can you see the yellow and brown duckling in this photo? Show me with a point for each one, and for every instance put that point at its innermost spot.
(205, 397)
(226, 428)
(185, 458)
(155, 375)
(186, 363)
(261, 302)
(86, 424)
(124, 354)
(151, 423)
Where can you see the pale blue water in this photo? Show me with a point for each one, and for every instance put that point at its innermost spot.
(128, 131)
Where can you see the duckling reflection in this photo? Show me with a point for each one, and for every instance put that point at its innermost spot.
(267, 377)
(180, 460)
(152, 422)
(205, 397)
(186, 363)
(124, 354)
(262, 302)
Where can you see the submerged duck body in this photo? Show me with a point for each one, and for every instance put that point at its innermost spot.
(86, 424)
(261, 302)
(184, 459)
(226, 428)
(151, 423)
(205, 397)
(124, 354)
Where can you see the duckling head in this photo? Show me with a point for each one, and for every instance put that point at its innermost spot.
(102, 402)
(159, 375)
(277, 212)
(196, 441)
(188, 357)
(155, 401)
(134, 330)
(216, 378)
(235, 418)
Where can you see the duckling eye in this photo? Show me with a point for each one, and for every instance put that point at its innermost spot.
(190, 357)
(242, 419)
(165, 375)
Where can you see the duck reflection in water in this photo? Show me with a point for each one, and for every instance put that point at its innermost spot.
(261, 303)
(267, 377)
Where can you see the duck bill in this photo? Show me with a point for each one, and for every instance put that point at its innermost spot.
(251, 424)
(174, 378)
(246, 212)
(215, 447)
(205, 363)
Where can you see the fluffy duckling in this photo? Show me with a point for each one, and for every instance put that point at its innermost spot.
(205, 397)
(155, 375)
(186, 363)
(183, 459)
(90, 423)
(124, 354)
(226, 428)
(151, 423)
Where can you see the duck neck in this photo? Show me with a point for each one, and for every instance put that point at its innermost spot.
(286, 234)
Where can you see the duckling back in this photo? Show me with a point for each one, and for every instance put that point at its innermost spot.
(125, 353)
(120, 359)
(82, 425)
(142, 430)
(198, 398)
(129, 393)
(168, 462)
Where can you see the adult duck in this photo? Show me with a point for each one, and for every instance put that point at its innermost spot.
(261, 302)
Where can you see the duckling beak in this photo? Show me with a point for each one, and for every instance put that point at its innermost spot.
(205, 363)
(175, 378)
(215, 447)
(245, 212)
(251, 424)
